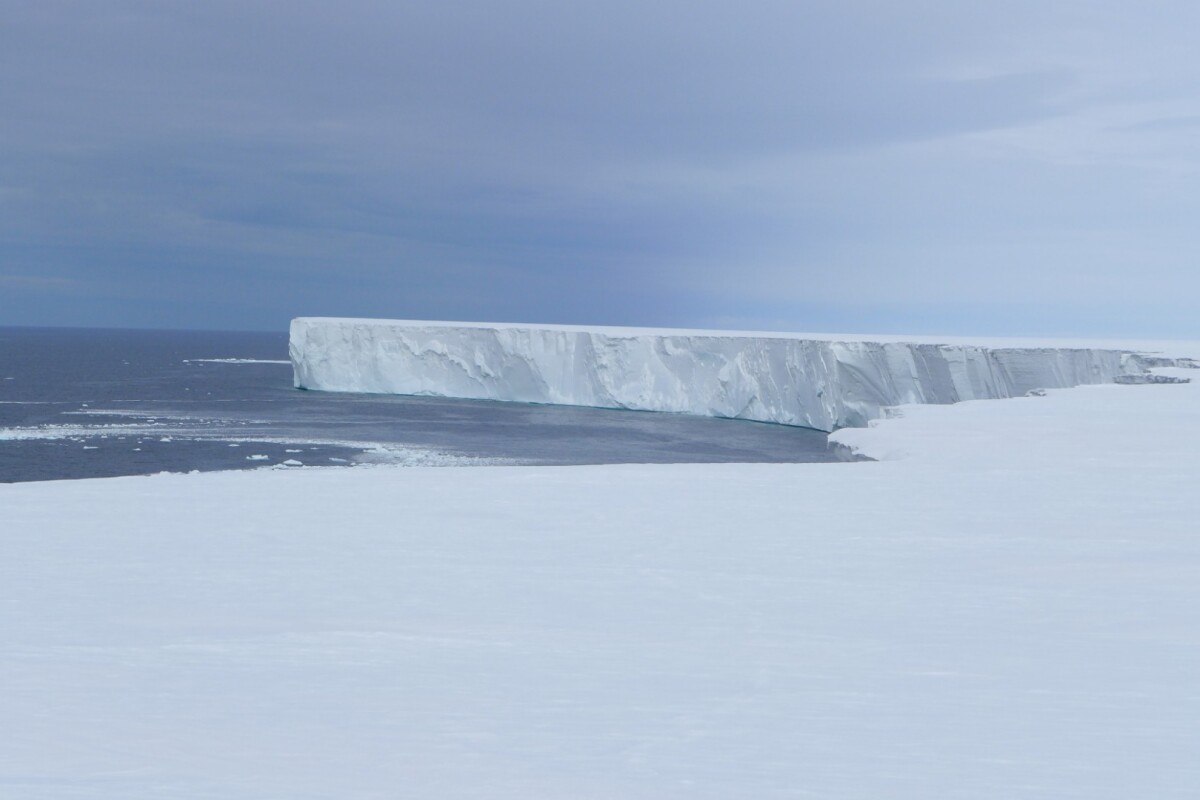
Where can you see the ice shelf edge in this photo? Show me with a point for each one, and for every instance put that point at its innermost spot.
(814, 383)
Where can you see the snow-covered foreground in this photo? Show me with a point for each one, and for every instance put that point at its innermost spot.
(1010, 610)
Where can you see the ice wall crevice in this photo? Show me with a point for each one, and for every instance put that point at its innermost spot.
(791, 380)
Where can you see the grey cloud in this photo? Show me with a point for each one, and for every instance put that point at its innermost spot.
(596, 161)
(1186, 123)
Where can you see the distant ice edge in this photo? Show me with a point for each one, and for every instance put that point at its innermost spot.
(792, 381)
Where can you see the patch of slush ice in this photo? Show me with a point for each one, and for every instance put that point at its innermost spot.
(384, 455)
(374, 453)
(152, 417)
(52, 432)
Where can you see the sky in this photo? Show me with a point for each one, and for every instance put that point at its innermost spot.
(1015, 168)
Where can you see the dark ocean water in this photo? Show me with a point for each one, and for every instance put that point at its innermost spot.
(80, 403)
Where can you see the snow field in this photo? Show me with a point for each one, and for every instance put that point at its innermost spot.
(1006, 608)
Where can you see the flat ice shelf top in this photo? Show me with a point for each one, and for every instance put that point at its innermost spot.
(1177, 348)
(821, 381)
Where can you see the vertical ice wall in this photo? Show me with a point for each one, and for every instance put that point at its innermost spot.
(789, 380)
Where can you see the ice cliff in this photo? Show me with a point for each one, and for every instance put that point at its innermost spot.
(793, 380)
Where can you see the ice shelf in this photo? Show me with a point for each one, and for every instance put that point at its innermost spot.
(821, 383)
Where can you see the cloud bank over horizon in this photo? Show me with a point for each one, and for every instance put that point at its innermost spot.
(931, 168)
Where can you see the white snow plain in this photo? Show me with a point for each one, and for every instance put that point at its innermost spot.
(814, 381)
(1007, 607)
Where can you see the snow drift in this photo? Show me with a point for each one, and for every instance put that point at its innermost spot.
(780, 378)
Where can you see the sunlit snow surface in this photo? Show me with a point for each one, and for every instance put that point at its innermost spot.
(1006, 608)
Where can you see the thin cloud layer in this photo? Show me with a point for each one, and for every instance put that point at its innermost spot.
(929, 168)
